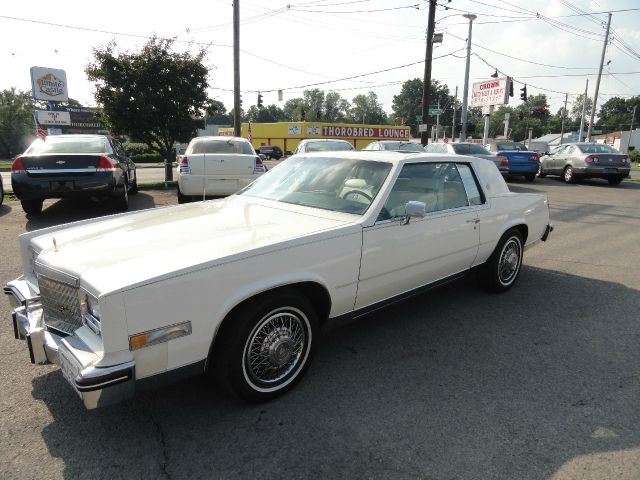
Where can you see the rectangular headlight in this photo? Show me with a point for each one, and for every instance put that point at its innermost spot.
(90, 312)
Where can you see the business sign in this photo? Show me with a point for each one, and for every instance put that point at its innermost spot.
(490, 92)
(294, 130)
(365, 132)
(49, 84)
(53, 118)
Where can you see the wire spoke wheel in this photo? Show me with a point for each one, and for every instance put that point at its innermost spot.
(276, 349)
(510, 260)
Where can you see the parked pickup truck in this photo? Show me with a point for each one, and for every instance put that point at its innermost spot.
(240, 287)
(521, 160)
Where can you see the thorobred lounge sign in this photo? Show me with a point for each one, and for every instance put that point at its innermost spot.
(364, 132)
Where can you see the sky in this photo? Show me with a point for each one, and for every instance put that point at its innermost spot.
(549, 44)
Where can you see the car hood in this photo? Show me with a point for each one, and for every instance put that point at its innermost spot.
(123, 251)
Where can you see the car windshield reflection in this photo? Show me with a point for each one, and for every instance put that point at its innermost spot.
(339, 185)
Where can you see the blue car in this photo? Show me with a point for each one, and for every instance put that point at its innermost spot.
(521, 161)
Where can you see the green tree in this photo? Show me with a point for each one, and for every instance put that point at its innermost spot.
(336, 108)
(293, 109)
(156, 96)
(576, 108)
(217, 114)
(16, 122)
(615, 113)
(367, 109)
(407, 105)
(313, 104)
(271, 113)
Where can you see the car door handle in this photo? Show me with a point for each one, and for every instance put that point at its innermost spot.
(474, 220)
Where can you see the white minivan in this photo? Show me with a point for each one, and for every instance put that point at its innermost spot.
(216, 166)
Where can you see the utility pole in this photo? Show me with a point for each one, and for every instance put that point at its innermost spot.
(237, 119)
(465, 92)
(584, 110)
(438, 122)
(453, 121)
(633, 117)
(426, 83)
(507, 116)
(564, 115)
(595, 95)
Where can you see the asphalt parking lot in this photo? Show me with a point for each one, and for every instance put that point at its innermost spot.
(540, 382)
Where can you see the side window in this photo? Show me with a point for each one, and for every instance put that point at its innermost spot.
(438, 185)
(461, 149)
(569, 150)
(470, 184)
(247, 148)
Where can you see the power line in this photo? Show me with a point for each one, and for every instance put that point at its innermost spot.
(360, 75)
(416, 6)
(521, 59)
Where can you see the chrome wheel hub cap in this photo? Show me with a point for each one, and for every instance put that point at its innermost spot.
(509, 261)
(275, 348)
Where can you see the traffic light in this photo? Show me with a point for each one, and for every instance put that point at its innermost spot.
(259, 100)
(302, 115)
(510, 87)
(523, 94)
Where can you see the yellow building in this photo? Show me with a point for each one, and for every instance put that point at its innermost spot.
(287, 135)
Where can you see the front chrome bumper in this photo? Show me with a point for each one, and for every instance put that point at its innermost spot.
(96, 386)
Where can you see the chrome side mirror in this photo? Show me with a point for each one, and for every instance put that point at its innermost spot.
(414, 209)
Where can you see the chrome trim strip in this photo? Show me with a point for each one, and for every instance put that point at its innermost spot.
(46, 171)
(57, 275)
(106, 383)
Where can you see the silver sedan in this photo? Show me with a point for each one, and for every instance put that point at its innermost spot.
(574, 161)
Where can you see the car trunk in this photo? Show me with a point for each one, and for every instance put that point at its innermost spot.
(221, 164)
(609, 159)
(61, 164)
(517, 158)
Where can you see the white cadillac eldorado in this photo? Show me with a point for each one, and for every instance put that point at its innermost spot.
(240, 287)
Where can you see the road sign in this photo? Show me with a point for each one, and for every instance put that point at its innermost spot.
(46, 117)
(49, 84)
(422, 127)
(418, 118)
(494, 91)
(436, 111)
(596, 132)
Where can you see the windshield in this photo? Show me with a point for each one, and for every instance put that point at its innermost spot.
(54, 144)
(402, 146)
(597, 148)
(335, 184)
(512, 146)
(331, 146)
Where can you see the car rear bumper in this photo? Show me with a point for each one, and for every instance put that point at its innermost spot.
(33, 186)
(97, 386)
(601, 171)
(523, 169)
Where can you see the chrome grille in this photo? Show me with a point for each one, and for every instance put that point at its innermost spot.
(60, 304)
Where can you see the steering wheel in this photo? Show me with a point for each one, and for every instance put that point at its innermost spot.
(356, 195)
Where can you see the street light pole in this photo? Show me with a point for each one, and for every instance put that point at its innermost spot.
(465, 92)
(426, 83)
